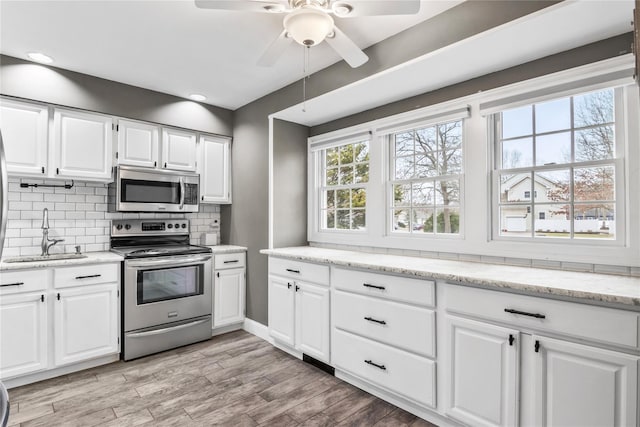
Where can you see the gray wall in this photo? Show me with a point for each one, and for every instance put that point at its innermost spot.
(289, 184)
(27, 80)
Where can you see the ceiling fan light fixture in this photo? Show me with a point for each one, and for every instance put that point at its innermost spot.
(341, 9)
(197, 97)
(308, 26)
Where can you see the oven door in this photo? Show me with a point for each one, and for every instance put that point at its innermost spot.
(166, 289)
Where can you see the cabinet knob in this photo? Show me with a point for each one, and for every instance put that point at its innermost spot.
(288, 285)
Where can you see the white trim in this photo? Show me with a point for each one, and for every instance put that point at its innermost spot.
(225, 329)
(270, 184)
(257, 329)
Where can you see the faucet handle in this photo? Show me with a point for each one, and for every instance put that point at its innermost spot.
(78, 249)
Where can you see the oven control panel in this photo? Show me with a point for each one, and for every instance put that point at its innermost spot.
(141, 227)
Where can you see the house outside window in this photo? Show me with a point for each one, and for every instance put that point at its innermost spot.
(565, 152)
(425, 175)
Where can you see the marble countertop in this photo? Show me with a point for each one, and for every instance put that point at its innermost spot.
(227, 249)
(588, 287)
(92, 258)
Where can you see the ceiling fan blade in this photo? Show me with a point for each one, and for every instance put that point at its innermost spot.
(275, 50)
(244, 5)
(375, 7)
(346, 48)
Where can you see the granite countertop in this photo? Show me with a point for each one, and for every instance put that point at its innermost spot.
(227, 249)
(590, 287)
(92, 258)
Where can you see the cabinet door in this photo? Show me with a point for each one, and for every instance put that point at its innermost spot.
(24, 133)
(178, 150)
(86, 323)
(281, 309)
(312, 320)
(215, 169)
(138, 144)
(228, 297)
(83, 145)
(579, 385)
(23, 334)
(481, 373)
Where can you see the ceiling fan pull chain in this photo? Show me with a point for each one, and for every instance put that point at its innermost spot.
(305, 70)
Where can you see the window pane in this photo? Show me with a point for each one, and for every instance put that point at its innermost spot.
(596, 143)
(332, 157)
(426, 140)
(346, 175)
(423, 194)
(553, 186)
(359, 219)
(513, 187)
(404, 144)
(517, 122)
(594, 221)
(517, 153)
(593, 108)
(404, 168)
(330, 199)
(332, 177)
(426, 164)
(344, 220)
(447, 193)
(450, 162)
(594, 183)
(401, 220)
(358, 198)
(515, 221)
(402, 195)
(422, 220)
(331, 219)
(362, 173)
(450, 135)
(553, 115)
(552, 221)
(448, 220)
(343, 197)
(362, 151)
(553, 149)
(346, 154)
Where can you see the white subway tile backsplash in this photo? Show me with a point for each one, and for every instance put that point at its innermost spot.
(77, 215)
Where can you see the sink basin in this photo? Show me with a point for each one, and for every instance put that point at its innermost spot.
(53, 257)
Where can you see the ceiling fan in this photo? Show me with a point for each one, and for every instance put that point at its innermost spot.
(309, 22)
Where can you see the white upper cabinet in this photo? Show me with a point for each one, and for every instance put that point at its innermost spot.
(24, 132)
(214, 167)
(82, 145)
(138, 144)
(179, 150)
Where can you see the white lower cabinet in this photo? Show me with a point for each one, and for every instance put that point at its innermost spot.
(85, 323)
(482, 373)
(229, 289)
(23, 334)
(299, 310)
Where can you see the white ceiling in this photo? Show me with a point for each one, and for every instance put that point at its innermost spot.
(552, 30)
(176, 48)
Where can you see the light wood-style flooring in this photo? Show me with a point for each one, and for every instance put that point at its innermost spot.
(235, 379)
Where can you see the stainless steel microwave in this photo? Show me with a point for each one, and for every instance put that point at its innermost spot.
(149, 190)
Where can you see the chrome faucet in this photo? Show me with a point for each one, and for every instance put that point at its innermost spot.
(46, 241)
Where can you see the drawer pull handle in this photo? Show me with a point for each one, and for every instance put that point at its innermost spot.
(371, 319)
(231, 261)
(12, 284)
(88, 277)
(524, 313)
(369, 285)
(293, 271)
(369, 362)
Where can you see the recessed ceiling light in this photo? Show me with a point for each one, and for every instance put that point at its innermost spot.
(197, 97)
(40, 57)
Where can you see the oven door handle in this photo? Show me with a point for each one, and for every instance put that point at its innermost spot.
(173, 261)
(181, 192)
(169, 329)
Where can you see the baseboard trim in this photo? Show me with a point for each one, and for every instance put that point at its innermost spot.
(227, 328)
(257, 329)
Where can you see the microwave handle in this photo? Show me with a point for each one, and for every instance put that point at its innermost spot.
(181, 193)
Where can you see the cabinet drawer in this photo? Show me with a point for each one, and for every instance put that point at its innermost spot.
(400, 325)
(229, 260)
(403, 373)
(13, 282)
(414, 291)
(85, 275)
(305, 271)
(590, 322)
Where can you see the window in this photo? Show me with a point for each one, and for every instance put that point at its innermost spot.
(345, 173)
(425, 175)
(563, 152)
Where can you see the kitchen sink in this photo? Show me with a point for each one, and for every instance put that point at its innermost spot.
(53, 257)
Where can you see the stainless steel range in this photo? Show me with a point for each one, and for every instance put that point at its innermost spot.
(167, 285)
